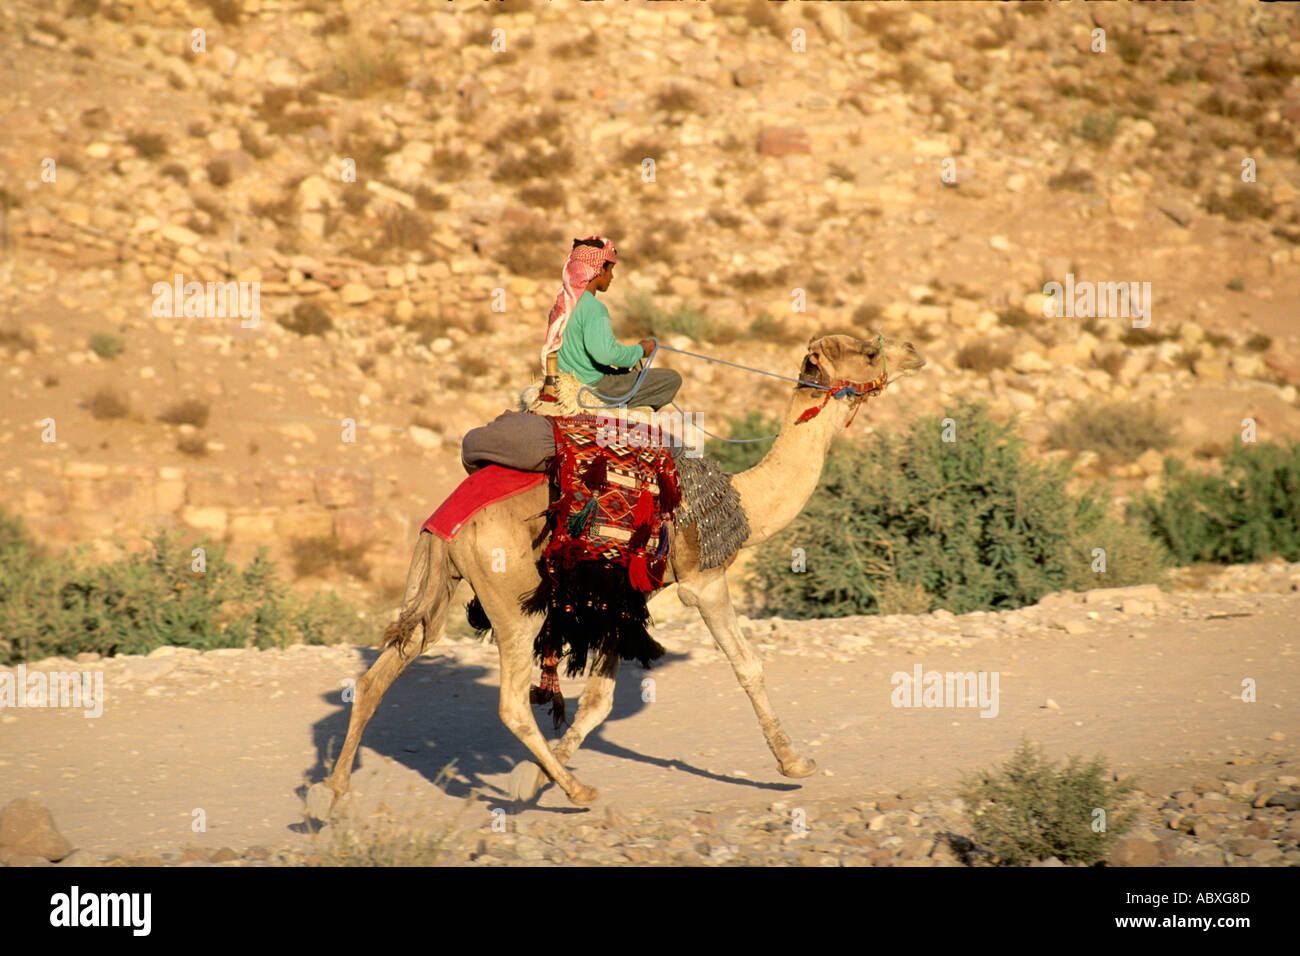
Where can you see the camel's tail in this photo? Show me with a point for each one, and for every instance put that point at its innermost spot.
(430, 582)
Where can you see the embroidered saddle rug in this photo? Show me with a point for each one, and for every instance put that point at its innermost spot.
(611, 526)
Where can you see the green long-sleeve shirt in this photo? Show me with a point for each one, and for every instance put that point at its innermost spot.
(589, 340)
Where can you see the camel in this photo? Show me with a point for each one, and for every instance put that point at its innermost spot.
(772, 493)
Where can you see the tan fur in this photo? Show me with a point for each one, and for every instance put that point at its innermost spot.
(772, 493)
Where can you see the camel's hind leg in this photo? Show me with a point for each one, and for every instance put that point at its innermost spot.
(515, 635)
(593, 707)
(709, 594)
(429, 586)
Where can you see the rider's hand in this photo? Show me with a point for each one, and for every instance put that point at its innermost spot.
(647, 346)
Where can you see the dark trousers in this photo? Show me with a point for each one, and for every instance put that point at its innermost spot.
(658, 389)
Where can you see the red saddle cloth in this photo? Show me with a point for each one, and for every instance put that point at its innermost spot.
(616, 500)
(487, 486)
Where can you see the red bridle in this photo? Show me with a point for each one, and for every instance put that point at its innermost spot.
(842, 387)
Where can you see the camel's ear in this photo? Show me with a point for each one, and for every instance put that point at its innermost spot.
(812, 340)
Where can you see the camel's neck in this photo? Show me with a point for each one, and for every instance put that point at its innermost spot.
(776, 489)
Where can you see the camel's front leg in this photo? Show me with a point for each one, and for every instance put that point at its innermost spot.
(709, 594)
(517, 713)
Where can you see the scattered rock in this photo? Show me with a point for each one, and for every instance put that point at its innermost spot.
(27, 828)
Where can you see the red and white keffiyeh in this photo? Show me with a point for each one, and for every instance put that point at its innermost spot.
(583, 265)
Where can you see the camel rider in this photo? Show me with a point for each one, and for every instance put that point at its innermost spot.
(579, 331)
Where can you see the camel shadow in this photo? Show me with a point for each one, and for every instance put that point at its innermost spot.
(441, 714)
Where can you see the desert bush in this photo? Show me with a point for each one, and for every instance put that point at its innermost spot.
(361, 67)
(677, 99)
(428, 199)
(316, 556)
(738, 454)
(1249, 512)
(106, 345)
(1116, 431)
(196, 446)
(308, 318)
(983, 356)
(975, 523)
(533, 253)
(64, 605)
(1097, 128)
(768, 328)
(147, 145)
(1029, 809)
(189, 411)
(1244, 202)
(532, 164)
(108, 403)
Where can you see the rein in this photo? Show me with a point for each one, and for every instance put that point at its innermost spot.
(857, 391)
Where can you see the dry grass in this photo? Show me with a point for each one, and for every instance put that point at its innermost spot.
(189, 411)
(147, 145)
(313, 557)
(308, 318)
(362, 67)
(1074, 179)
(106, 345)
(1246, 201)
(452, 165)
(1117, 432)
(984, 356)
(532, 164)
(194, 445)
(429, 199)
(725, 219)
(641, 149)
(544, 196)
(226, 12)
(426, 327)
(108, 403)
(677, 99)
(219, 173)
(536, 255)
(768, 328)
(581, 49)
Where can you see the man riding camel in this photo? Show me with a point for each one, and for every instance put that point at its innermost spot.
(578, 330)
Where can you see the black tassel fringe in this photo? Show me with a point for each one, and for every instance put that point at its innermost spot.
(592, 606)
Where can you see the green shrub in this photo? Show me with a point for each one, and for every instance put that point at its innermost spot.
(106, 345)
(1030, 810)
(733, 457)
(1249, 512)
(63, 605)
(912, 523)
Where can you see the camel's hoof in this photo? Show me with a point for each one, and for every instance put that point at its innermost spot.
(583, 794)
(320, 801)
(525, 780)
(802, 767)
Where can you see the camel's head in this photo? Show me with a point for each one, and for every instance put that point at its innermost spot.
(837, 358)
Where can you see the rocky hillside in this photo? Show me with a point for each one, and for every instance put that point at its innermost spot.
(398, 184)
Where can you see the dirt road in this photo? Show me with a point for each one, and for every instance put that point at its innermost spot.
(1154, 685)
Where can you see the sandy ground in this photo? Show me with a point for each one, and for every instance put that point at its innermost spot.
(238, 734)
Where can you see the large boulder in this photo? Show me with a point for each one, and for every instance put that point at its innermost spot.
(27, 829)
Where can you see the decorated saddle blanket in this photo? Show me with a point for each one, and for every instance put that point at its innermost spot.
(611, 526)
